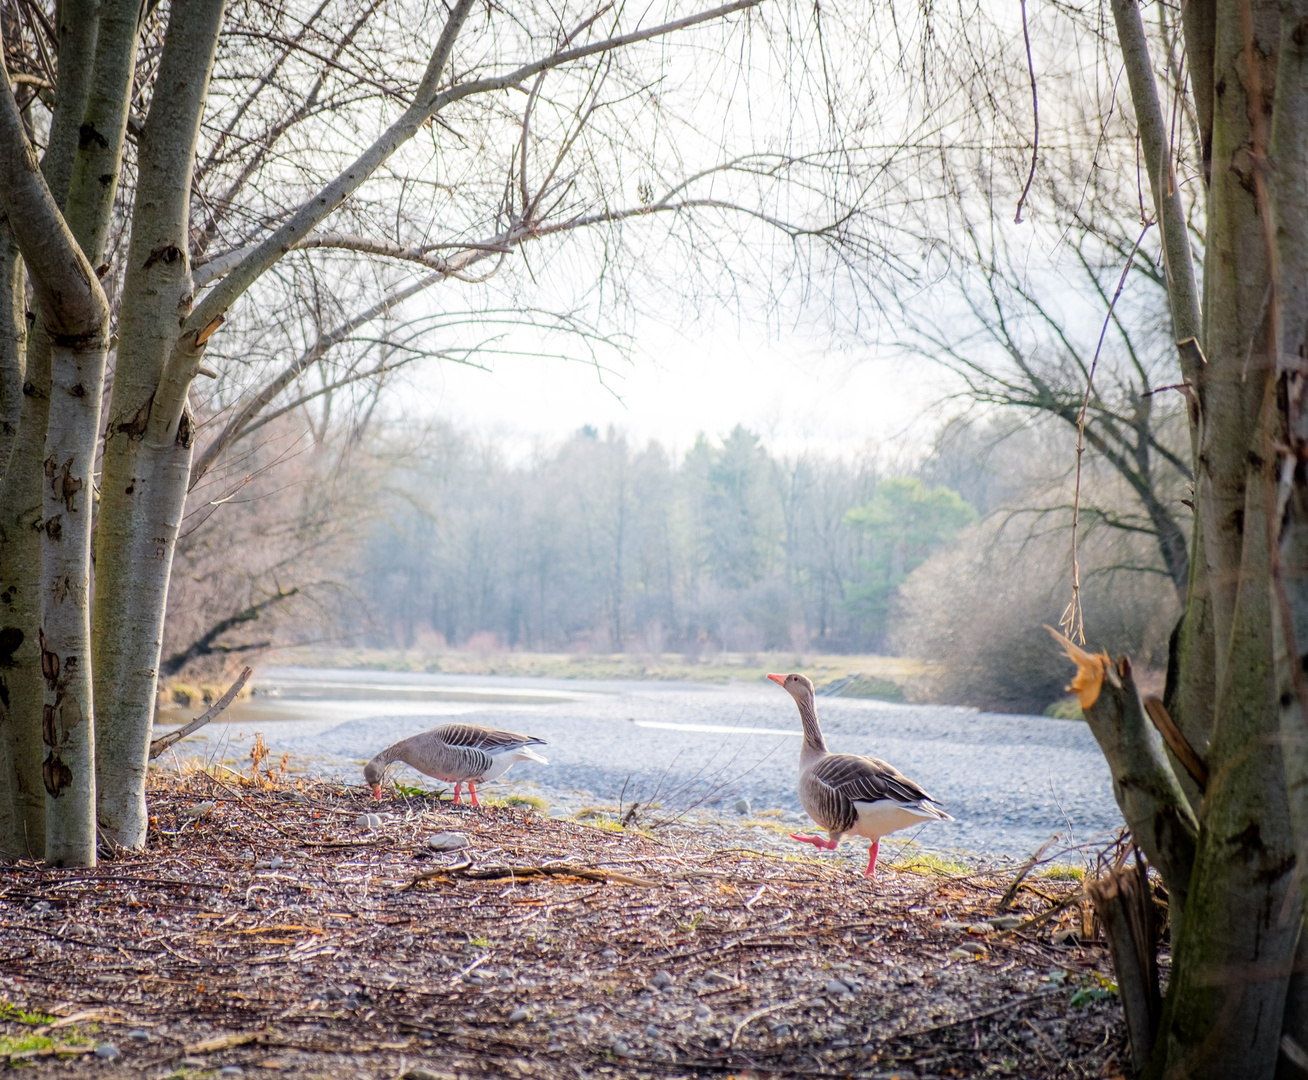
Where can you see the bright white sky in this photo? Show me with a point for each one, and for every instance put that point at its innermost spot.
(794, 393)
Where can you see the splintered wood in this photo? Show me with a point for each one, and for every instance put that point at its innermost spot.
(264, 928)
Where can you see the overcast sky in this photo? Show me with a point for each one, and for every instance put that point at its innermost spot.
(793, 392)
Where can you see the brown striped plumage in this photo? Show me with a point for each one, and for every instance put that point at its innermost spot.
(456, 753)
(845, 793)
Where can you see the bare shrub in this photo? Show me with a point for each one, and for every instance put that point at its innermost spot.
(978, 609)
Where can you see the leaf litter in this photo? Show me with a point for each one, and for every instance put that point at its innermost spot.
(272, 932)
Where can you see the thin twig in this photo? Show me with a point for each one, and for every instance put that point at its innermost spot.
(1035, 112)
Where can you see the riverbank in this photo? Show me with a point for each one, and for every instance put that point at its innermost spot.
(890, 678)
(267, 929)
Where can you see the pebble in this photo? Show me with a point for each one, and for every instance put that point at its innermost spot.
(661, 981)
(742, 806)
(275, 863)
(193, 1063)
(199, 809)
(610, 954)
(447, 841)
(620, 1048)
(518, 1016)
(231, 1070)
(979, 928)
(953, 924)
(108, 1052)
(368, 821)
(835, 986)
(139, 1034)
(973, 947)
(652, 1031)
(1007, 922)
(702, 1011)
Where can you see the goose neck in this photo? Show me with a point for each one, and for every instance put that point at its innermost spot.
(813, 741)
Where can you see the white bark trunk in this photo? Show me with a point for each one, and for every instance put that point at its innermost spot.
(68, 718)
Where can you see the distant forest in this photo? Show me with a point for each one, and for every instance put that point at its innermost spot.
(603, 546)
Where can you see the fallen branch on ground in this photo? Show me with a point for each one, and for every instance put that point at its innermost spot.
(492, 873)
(159, 745)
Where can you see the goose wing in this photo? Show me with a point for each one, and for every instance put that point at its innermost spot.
(866, 779)
(491, 740)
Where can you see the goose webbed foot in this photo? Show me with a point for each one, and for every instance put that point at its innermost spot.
(871, 871)
(816, 841)
(472, 791)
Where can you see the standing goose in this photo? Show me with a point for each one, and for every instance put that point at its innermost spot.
(457, 753)
(845, 793)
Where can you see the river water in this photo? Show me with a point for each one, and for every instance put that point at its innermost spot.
(1010, 781)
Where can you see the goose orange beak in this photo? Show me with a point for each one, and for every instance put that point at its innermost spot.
(780, 680)
(376, 792)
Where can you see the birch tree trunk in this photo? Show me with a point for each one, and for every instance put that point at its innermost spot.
(22, 819)
(147, 445)
(75, 316)
(26, 394)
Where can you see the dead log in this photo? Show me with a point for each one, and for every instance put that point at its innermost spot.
(1125, 908)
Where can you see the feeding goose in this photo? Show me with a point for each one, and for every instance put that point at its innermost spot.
(458, 754)
(845, 793)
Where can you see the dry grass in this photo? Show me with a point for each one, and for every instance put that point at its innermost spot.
(264, 928)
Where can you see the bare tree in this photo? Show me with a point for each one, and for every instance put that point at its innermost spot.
(271, 198)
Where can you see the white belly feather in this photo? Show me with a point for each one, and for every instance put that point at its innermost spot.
(877, 819)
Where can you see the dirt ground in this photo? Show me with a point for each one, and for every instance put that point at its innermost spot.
(267, 930)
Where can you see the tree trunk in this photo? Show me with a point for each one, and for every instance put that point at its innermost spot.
(75, 315)
(22, 812)
(68, 719)
(147, 455)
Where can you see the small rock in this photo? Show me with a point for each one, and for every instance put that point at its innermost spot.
(276, 862)
(620, 1048)
(447, 841)
(139, 1035)
(610, 954)
(199, 809)
(742, 806)
(108, 1052)
(1007, 922)
(368, 821)
(231, 1070)
(518, 1016)
(953, 924)
(835, 986)
(652, 1031)
(702, 1011)
(193, 1063)
(973, 947)
(979, 928)
(661, 980)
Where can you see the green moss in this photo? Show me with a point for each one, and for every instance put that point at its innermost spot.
(1067, 708)
(1061, 872)
(25, 1043)
(15, 1014)
(533, 801)
(924, 862)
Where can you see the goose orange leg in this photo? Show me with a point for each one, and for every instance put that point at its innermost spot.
(816, 841)
(456, 792)
(472, 790)
(871, 870)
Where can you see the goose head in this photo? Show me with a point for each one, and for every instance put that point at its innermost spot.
(798, 686)
(372, 776)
